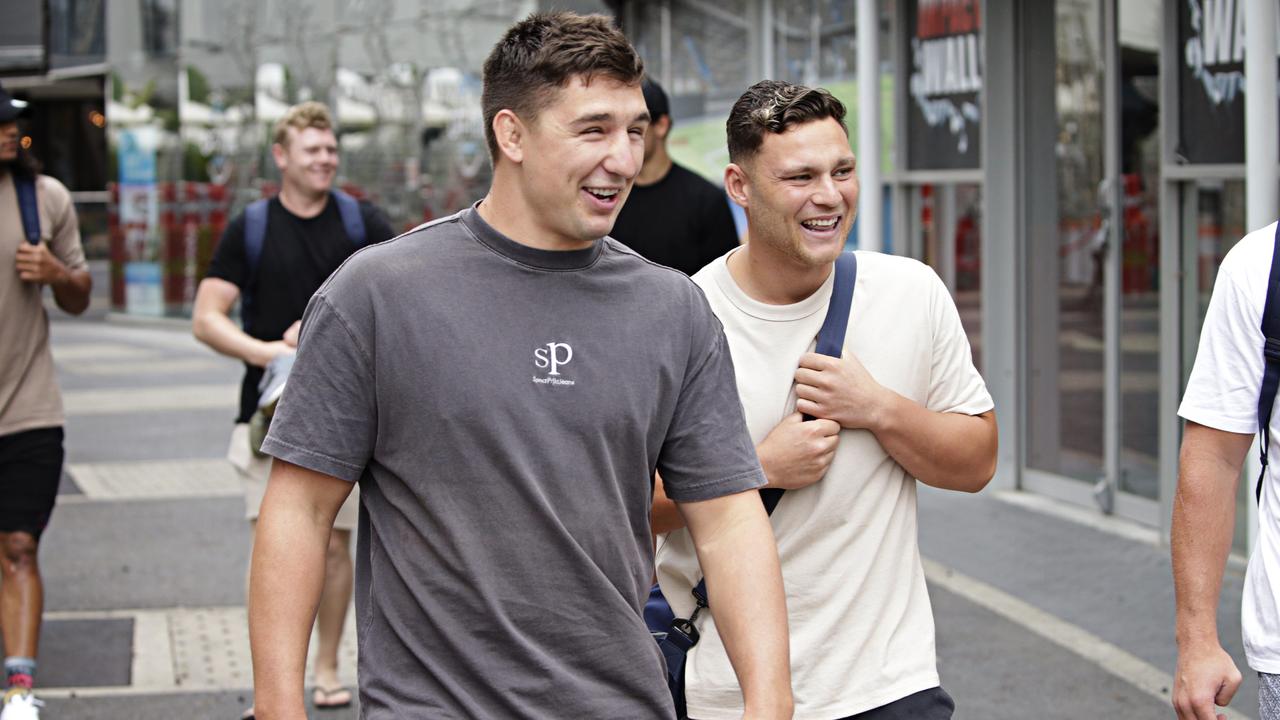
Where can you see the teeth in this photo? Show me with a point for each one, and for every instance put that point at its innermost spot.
(820, 223)
(603, 192)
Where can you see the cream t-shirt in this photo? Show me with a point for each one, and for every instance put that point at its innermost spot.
(29, 395)
(860, 619)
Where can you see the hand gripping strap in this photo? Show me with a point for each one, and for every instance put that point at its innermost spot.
(830, 336)
(830, 342)
(1271, 360)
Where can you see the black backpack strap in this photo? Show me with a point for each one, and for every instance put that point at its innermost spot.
(830, 342)
(25, 185)
(1271, 359)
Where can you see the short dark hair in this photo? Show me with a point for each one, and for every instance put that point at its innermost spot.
(542, 53)
(773, 106)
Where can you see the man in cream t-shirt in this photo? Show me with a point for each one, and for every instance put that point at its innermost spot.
(904, 403)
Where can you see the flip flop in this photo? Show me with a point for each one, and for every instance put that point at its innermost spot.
(328, 698)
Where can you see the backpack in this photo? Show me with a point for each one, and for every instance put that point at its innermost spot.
(255, 234)
(25, 185)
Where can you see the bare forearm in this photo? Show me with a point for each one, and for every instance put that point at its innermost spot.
(738, 555)
(71, 291)
(951, 451)
(219, 332)
(284, 591)
(1200, 537)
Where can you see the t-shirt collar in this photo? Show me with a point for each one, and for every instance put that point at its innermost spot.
(764, 311)
(523, 254)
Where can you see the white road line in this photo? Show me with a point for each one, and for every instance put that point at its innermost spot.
(142, 368)
(98, 351)
(1114, 660)
(139, 400)
(152, 651)
(153, 480)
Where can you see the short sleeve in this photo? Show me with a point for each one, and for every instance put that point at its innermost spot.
(955, 385)
(708, 452)
(1222, 392)
(229, 262)
(64, 235)
(327, 419)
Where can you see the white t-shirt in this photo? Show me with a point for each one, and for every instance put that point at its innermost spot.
(860, 619)
(1222, 393)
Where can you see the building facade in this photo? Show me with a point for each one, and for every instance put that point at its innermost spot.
(1074, 170)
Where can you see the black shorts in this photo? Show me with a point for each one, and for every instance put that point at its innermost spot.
(931, 704)
(30, 470)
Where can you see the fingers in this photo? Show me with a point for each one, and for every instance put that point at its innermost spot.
(808, 376)
(1230, 684)
(816, 361)
(826, 428)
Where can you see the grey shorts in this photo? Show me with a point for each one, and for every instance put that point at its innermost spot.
(1268, 696)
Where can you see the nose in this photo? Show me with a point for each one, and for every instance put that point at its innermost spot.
(827, 193)
(624, 156)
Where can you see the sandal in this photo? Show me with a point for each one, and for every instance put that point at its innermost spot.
(328, 698)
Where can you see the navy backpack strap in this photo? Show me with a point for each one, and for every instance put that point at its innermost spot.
(1271, 358)
(255, 235)
(830, 336)
(26, 188)
(352, 220)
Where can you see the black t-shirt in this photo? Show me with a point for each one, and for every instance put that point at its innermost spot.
(681, 221)
(298, 255)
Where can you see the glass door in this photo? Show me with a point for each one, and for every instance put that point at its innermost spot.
(1092, 374)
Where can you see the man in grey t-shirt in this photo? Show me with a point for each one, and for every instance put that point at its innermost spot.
(503, 384)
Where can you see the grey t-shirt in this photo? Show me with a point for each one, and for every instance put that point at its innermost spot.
(503, 409)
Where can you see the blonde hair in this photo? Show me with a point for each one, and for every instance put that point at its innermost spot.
(310, 114)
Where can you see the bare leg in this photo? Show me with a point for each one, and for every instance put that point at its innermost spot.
(332, 614)
(21, 594)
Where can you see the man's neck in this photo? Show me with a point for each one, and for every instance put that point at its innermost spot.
(302, 204)
(508, 211)
(655, 168)
(773, 279)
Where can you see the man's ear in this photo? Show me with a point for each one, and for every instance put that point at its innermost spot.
(661, 126)
(737, 185)
(510, 133)
(279, 154)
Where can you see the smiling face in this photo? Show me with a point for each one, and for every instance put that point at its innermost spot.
(579, 156)
(800, 191)
(308, 160)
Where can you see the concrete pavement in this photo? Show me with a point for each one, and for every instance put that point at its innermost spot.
(1042, 611)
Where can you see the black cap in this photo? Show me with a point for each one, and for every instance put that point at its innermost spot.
(10, 108)
(655, 99)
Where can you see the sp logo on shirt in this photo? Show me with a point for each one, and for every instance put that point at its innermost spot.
(552, 357)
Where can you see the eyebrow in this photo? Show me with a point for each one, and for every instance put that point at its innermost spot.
(811, 169)
(607, 117)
